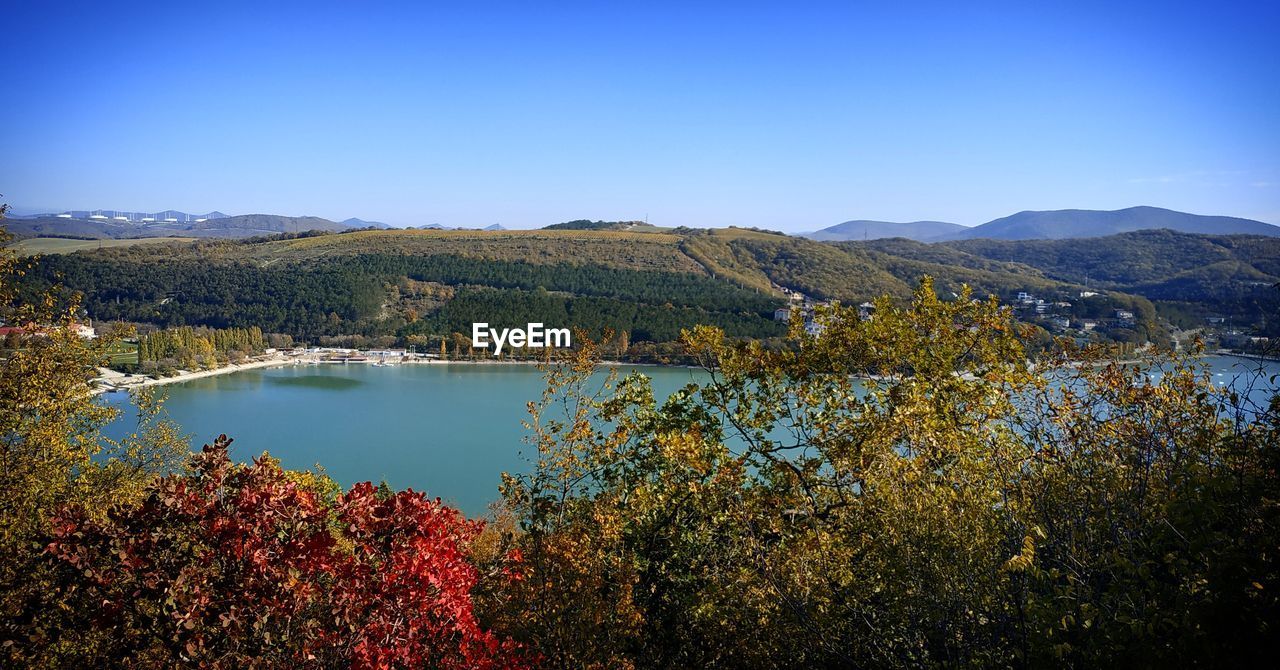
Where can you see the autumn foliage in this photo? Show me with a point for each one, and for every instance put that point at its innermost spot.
(901, 491)
(246, 566)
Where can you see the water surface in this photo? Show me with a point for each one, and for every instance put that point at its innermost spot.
(448, 430)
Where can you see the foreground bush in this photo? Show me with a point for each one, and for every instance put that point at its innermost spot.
(249, 566)
(903, 491)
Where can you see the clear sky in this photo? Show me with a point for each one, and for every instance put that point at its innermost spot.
(791, 116)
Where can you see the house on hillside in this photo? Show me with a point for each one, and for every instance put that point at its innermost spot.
(85, 331)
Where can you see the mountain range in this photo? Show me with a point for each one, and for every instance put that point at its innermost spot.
(1050, 225)
(243, 225)
(875, 230)
(1027, 225)
(164, 216)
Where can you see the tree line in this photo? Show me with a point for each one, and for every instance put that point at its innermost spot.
(350, 296)
(199, 347)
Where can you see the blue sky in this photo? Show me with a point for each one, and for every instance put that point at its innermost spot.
(788, 116)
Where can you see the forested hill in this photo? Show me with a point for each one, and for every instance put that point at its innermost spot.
(1234, 275)
(647, 282)
(431, 284)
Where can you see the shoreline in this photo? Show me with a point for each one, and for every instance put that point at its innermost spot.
(1251, 357)
(111, 381)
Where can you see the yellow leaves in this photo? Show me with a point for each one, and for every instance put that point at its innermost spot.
(879, 476)
(686, 450)
(1025, 560)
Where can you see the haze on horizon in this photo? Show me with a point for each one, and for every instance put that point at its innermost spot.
(780, 117)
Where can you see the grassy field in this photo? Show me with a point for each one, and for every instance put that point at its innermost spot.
(619, 249)
(123, 352)
(58, 245)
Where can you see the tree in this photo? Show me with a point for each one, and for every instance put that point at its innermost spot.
(52, 450)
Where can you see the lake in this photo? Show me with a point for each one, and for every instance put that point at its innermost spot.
(448, 430)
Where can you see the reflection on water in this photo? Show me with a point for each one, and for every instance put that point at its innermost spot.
(327, 382)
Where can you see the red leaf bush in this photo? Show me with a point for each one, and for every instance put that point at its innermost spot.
(235, 566)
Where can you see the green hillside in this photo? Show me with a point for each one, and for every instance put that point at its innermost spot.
(431, 284)
(424, 284)
(60, 245)
(1229, 272)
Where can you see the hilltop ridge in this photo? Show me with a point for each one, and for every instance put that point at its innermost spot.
(1050, 225)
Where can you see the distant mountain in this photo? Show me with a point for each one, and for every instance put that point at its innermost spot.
(165, 216)
(587, 224)
(436, 226)
(257, 224)
(246, 225)
(361, 223)
(1072, 223)
(52, 226)
(876, 230)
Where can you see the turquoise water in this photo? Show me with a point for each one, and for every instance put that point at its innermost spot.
(448, 430)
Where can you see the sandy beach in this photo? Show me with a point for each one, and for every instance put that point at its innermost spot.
(110, 380)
